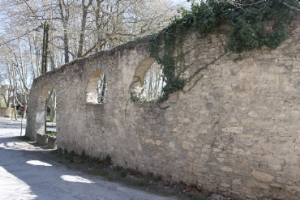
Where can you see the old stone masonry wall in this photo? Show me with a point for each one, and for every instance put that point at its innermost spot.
(236, 131)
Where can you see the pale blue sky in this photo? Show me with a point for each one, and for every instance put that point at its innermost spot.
(180, 1)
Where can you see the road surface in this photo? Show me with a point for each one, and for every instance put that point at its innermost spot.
(25, 174)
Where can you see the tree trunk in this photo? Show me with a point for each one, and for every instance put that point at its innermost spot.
(83, 25)
(14, 108)
(51, 104)
(53, 107)
(65, 19)
(45, 48)
(103, 89)
(66, 44)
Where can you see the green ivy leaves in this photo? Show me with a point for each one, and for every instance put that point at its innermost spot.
(251, 24)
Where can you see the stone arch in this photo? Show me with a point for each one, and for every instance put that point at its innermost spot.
(142, 79)
(95, 95)
(40, 110)
(142, 68)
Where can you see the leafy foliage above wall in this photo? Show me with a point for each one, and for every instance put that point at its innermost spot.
(250, 24)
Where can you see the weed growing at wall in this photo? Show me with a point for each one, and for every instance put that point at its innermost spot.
(51, 133)
(249, 25)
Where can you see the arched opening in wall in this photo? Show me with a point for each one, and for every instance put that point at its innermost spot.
(148, 81)
(41, 110)
(153, 82)
(96, 88)
(50, 108)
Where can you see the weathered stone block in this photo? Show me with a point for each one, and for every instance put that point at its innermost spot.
(149, 141)
(52, 142)
(241, 152)
(192, 155)
(281, 180)
(225, 185)
(226, 169)
(236, 182)
(276, 185)
(261, 176)
(42, 139)
(252, 114)
(233, 129)
(187, 145)
(255, 184)
(293, 189)
(158, 142)
(171, 145)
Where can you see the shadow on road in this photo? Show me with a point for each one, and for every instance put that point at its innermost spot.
(25, 173)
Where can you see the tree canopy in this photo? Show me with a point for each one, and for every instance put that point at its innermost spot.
(77, 28)
(248, 25)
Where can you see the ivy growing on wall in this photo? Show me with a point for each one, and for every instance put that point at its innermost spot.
(250, 24)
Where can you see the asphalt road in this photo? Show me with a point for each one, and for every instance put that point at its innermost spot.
(25, 174)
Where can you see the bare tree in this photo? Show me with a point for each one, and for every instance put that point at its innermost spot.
(64, 17)
(153, 83)
(77, 28)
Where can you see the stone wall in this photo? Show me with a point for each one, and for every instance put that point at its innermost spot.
(5, 112)
(234, 132)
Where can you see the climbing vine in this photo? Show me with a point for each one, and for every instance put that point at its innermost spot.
(250, 24)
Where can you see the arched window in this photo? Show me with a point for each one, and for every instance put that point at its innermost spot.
(148, 81)
(96, 88)
(42, 108)
(101, 89)
(50, 128)
(153, 83)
